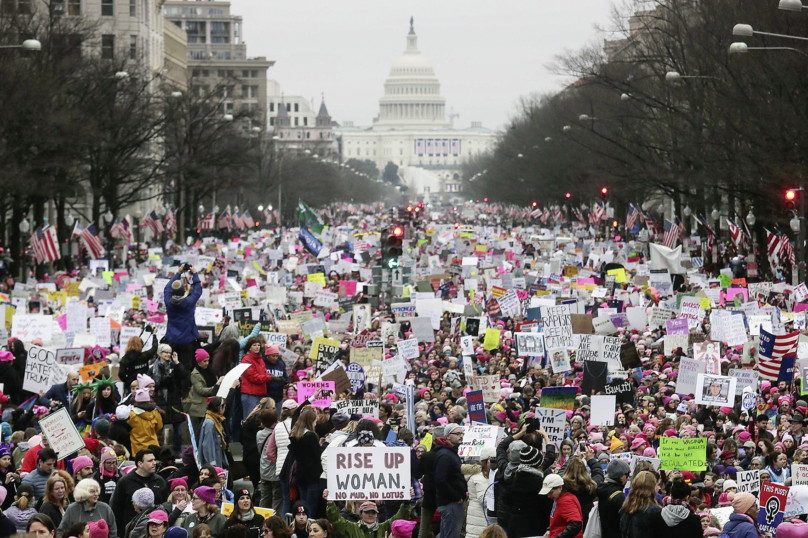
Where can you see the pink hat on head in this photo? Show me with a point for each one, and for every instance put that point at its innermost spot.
(443, 420)
(273, 349)
(219, 471)
(649, 452)
(144, 381)
(6, 356)
(142, 395)
(200, 355)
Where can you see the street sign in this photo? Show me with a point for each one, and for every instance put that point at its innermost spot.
(398, 278)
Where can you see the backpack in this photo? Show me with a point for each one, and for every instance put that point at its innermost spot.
(593, 525)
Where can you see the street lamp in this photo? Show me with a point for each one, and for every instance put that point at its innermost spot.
(566, 128)
(70, 219)
(715, 214)
(674, 76)
(260, 208)
(28, 44)
(795, 224)
(742, 48)
(625, 97)
(176, 95)
(750, 218)
(24, 225)
(121, 75)
(108, 216)
(201, 209)
(687, 211)
(520, 156)
(791, 5)
(746, 30)
(227, 117)
(548, 139)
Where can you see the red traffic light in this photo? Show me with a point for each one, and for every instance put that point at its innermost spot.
(604, 191)
(485, 199)
(397, 231)
(614, 224)
(791, 195)
(534, 204)
(568, 195)
(409, 208)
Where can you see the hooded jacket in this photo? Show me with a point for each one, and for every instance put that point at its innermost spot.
(450, 486)
(739, 526)
(676, 521)
(610, 500)
(181, 326)
(255, 378)
(145, 421)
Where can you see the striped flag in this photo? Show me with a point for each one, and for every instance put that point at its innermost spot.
(122, 230)
(671, 234)
(170, 222)
(268, 215)
(238, 221)
(90, 240)
(49, 243)
(631, 217)
(153, 222)
(536, 213)
(787, 250)
(735, 233)
(599, 211)
(208, 221)
(36, 246)
(772, 246)
(247, 219)
(771, 351)
(710, 233)
(224, 221)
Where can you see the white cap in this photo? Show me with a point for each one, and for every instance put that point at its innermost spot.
(730, 483)
(551, 482)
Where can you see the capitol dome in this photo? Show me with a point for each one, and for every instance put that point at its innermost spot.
(412, 97)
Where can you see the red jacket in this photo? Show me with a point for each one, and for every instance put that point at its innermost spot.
(255, 378)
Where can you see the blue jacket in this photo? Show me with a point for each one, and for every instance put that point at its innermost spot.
(739, 526)
(275, 388)
(59, 393)
(181, 327)
(210, 446)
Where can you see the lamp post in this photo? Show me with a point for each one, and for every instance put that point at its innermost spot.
(674, 76)
(742, 48)
(28, 44)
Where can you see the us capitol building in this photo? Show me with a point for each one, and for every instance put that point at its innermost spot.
(412, 131)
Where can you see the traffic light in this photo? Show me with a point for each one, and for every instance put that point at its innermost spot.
(614, 224)
(392, 248)
(791, 197)
(604, 192)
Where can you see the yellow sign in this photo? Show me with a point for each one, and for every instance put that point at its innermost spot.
(136, 302)
(255, 264)
(324, 342)
(316, 277)
(9, 315)
(107, 275)
(227, 509)
(491, 339)
(73, 289)
(57, 296)
(704, 303)
(619, 275)
(427, 442)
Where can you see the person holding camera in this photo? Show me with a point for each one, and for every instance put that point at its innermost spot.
(181, 331)
(135, 360)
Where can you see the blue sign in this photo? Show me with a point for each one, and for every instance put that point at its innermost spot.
(474, 399)
(356, 375)
(309, 241)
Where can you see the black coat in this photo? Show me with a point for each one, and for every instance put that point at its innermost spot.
(12, 382)
(306, 453)
(530, 512)
(637, 525)
(168, 391)
(427, 466)
(689, 526)
(586, 499)
(610, 501)
(451, 486)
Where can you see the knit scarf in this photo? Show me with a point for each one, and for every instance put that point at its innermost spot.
(372, 528)
(217, 421)
(670, 500)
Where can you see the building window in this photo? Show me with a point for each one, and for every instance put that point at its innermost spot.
(245, 73)
(216, 11)
(288, 107)
(228, 107)
(254, 73)
(272, 120)
(107, 8)
(272, 107)
(296, 122)
(133, 8)
(107, 46)
(321, 136)
(308, 135)
(305, 121)
(297, 107)
(74, 8)
(132, 47)
(249, 92)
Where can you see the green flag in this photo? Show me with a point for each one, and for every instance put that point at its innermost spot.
(309, 218)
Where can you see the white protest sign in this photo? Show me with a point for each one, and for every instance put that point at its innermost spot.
(62, 435)
(689, 370)
(603, 408)
(325, 299)
(691, 310)
(529, 344)
(635, 459)
(357, 407)
(29, 327)
(489, 384)
(126, 334)
(230, 378)
(553, 421)
(372, 473)
(799, 474)
(394, 369)
(797, 501)
(100, 328)
(38, 369)
(408, 349)
(715, 390)
(475, 438)
(207, 316)
(557, 326)
(746, 378)
(76, 319)
(749, 481)
(70, 355)
(466, 344)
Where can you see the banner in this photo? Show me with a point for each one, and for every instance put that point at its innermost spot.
(309, 241)
(489, 385)
(682, 454)
(362, 408)
(773, 499)
(306, 389)
(475, 438)
(61, 433)
(749, 482)
(374, 473)
(476, 405)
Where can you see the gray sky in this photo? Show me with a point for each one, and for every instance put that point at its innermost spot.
(486, 53)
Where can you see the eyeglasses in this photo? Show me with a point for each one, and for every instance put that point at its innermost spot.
(264, 531)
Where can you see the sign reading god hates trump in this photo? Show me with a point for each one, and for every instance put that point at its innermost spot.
(368, 473)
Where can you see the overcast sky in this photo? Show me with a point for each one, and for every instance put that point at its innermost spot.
(486, 53)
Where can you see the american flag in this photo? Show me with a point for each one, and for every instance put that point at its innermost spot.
(772, 246)
(771, 351)
(787, 250)
(208, 221)
(710, 233)
(536, 213)
(557, 213)
(122, 230)
(735, 233)
(600, 212)
(238, 221)
(545, 215)
(224, 220)
(671, 233)
(90, 240)
(268, 215)
(153, 222)
(681, 230)
(45, 244)
(247, 219)
(170, 221)
(579, 215)
(631, 217)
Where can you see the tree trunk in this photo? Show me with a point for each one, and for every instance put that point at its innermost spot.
(15, 237)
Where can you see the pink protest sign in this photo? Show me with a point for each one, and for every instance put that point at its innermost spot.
(305, 389)
(62, 320)
(350, 287)
(730, 294)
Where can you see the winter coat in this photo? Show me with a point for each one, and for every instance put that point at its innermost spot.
(7, 528)
(739, 526)
(200, 392)
(450, 486)
(78, 511)
(108, 484)
(254, 380)
(146, 422)
(134, 363)
(278, 373)
(636, 525)
(253, 524)
(586, 499)
(676, 521)
(345, 529)
(216, 522)
(477, 484)
(336, 439)
(210, 446)
(530, 512)
(566, 519)
(181, 327)
(168, 378)
(12, 382)
(610, 501)
(281, 434)
(121, 502)
(52, 511)
(306, 453)
(20, 517)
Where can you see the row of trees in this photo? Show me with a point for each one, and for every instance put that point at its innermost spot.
(88, 136)
(730, 137)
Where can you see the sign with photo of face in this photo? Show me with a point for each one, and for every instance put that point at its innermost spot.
(715, 390)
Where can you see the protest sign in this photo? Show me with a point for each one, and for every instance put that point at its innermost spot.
(324, 352)
(365, 356)
(623, 390)
(553, 421)
(530, 344)
(745, 378)
(100, 328)
(716, 390)
(394, 369)
(690, 310)
(749, 481)
(356, 375)
(70, 355)
(38, 369)
(709, 353)
(489, 385)
(635, 459)
(687, 380)
(773, 499)
(88, 372)
(682, 454)
(29, 327)
(408, 349)
(476, 437)
(799, 474)
(306, 389)
(362, 408)
(61, 433)
(558, 397)
(797, 502)
(559, 360)
(422, 329)
(476, 406)
(557, 326)
(230, 378)
(677, 326)
(403, 311)
(368, 473)
(603, 410)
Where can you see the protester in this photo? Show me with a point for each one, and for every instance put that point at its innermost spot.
(180, 304)
(58, 492)
(212, 443)
(22, 509)
(611, 498)
(369, 526)
(46, 461)
(203, 502)
(204, 384)
(87, 508)
(743, 520)
(168, 374)
(640, 508)
(676, 518)
(135, 361)
(566, 520)
(143, 476)
(244, 514)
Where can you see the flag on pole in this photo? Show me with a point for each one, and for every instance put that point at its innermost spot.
(309, 218)
(268, 215)
(771, 351)
(122, 229)
(208, 221)
(735, 233)
(671, 234)
(224, 220)
(247, 219)
(631, 217)
(48, 243)
(90, 240)
(35, 246)
(153, 222)
(772, 246)
(787, 250)
(170, 221)
(238, 221)
(600, 212)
